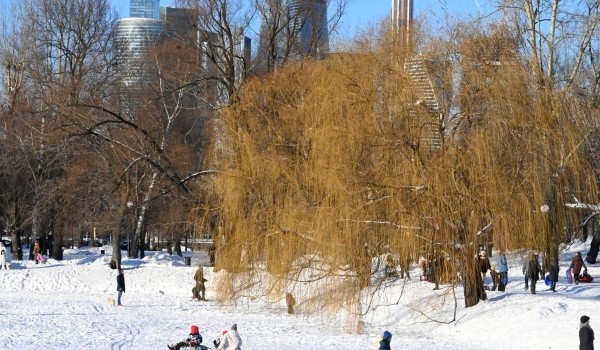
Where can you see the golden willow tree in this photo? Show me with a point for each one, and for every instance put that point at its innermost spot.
(325, 171)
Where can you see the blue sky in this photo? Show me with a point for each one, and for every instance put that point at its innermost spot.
(363, 12)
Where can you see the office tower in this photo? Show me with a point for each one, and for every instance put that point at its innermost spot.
(313, 38)
(144, 8)
(402, 19)
(133, 38)
(293, 29)
(180, 23)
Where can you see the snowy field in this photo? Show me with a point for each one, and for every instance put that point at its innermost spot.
(63, 305)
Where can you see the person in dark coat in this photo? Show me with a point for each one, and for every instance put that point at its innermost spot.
(586, 334)
(384, 344)
(553, 275)
(120, 286)
(534, 271)
(484, 264)
(576, 266)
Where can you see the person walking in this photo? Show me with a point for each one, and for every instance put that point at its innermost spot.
(120, 286)
(586, 334)
(386, 339)
(534, 271)
(484, 265)
(502, 269)
(525, 272)
(200, 287)
(576, 264)
(230, 340)
(2, 256)
(553, 275)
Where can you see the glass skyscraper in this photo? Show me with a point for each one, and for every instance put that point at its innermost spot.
(144, 8)
(304, 33)
(402, 18)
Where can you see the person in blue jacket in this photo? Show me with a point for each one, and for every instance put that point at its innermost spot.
(502, 266)
(192, 341)
(384, 344)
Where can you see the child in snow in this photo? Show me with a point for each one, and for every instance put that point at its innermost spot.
(384, 344)
(37, 253)
(2, 256)
(230, 340)
(576, 266)
(193, 339)
(217, 341)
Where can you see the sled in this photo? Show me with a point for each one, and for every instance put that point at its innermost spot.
(40, 258)
(199, 347)
(569, 276)
(547, 279)
(585, 278)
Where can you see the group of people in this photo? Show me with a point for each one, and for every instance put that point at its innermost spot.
(532, 270)
(498, 271)
(228, 340)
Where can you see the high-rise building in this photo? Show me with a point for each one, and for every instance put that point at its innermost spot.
(133, 38)
(180, 23)
(144, 8)
(402, 18)
(313, 38)
(293, 29)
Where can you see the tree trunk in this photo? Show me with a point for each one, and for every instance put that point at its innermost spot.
(57, 249)
(17, 249)
(472, 283)
(116, 246)
(592, 254)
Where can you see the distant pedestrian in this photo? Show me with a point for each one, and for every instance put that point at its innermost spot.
(484, 265)
(534, 271)
(2, 256)
(502, 269)
(525, 272)
(37, 251)
(200, 288)
(386, 339)
(290, 302)
(553, 275)
(120, 286)
(231, 340)
(576, 266)
(586, 334)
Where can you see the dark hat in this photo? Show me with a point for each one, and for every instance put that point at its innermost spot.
(234, 327)
(584, 319)
(387, 335)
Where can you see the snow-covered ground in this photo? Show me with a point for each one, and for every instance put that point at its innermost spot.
(63, 305)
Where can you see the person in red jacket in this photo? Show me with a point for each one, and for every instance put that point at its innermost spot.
(576, 266)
